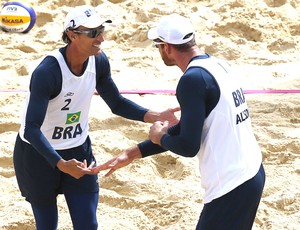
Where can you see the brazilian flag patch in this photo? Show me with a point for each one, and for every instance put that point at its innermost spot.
(73, 118)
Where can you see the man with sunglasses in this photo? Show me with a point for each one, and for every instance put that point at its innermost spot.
(214, 126)
(53, 152)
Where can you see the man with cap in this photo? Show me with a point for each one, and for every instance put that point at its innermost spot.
(53, 152)
(214, 125)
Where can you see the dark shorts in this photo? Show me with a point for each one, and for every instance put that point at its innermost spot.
(40, 184)
(235, 210)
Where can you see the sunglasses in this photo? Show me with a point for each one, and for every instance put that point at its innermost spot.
(156, 44)
(91, 33)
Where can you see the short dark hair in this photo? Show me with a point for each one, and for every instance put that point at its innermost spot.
(182, 47)
(66, 38)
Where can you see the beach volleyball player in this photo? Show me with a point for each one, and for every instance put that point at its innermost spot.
(215, 126)
(53, 152)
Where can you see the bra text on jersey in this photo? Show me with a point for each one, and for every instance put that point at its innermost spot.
(239, 99)
(67, 132)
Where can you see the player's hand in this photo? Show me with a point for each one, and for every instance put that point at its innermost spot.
(75, 168)
(169, 115)
(157, 130)
(120, 161)
(166, 115)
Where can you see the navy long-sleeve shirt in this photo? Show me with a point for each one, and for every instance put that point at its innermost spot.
(197, 93)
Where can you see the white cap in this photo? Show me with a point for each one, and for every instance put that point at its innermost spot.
(172, 29)
(84, 15)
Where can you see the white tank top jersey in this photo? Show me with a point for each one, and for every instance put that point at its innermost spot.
(66, 122)
(229, 153)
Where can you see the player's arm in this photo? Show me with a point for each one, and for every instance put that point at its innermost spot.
(120, 105)
(42, 87)
(197, 94)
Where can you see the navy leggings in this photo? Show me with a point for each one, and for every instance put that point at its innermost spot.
(235, 210)
(82, 208)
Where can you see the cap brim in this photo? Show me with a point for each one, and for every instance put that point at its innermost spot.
(95, 22)
(152, 33)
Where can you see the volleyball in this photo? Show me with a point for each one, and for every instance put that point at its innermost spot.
(17, 17)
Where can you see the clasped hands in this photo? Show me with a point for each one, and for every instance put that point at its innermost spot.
(157, 130)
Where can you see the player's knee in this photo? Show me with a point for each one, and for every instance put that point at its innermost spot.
(90, 224)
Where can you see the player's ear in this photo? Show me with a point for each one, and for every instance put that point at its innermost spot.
(71, 34)
(168, 48)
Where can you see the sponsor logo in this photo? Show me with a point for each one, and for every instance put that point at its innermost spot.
(69, 94)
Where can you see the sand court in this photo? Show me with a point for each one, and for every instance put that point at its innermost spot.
(260, 39)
